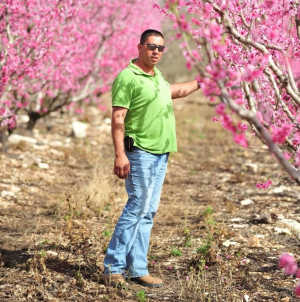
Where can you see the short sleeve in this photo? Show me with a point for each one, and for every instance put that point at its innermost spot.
(122, 91)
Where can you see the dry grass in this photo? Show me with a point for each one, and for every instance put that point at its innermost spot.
(54, 239)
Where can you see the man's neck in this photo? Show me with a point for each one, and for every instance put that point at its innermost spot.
(144, 67)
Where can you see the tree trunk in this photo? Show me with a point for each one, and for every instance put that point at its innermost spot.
(33, 117)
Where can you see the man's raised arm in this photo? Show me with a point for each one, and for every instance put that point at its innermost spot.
(184, 89)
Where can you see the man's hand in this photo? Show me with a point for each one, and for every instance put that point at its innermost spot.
(122, 166)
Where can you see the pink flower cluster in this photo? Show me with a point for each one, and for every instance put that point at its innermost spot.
(265, 185)
(251, 51)
(238, 130)
(290, 266)
(59, 52)
(280, 134)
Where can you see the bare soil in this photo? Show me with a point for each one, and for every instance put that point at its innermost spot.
(206, 246)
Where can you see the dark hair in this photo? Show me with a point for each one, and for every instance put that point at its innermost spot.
(150, 32)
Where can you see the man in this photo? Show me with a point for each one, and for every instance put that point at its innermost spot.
(143, 132)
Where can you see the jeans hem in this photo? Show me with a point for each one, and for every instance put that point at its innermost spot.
(139, 275)
(105, 273)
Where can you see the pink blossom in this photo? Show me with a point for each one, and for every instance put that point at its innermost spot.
(289, 264)
(297, 290)
(272, 34)
(291, 268)
(265, 185)
(241, 139)
(297, 158)
(280, 134)
(187, 278)
(287, 155)
(220, 108)
(269, 3)
(79, 111)
(188, 66)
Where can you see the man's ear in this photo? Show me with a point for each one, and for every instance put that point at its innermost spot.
(139, 46)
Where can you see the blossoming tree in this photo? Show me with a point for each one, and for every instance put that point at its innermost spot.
(56, 53)
(247, 54)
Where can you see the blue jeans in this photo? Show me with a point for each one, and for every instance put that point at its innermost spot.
(127, 250)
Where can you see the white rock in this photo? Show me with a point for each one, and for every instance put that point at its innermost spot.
(247, 202)
(291, 224)
(43, 166)
(51, 254)
(5, 194)
(104, 128)
(92, 111)
(5, 204)
(252, 166)
(224, 179)
(79, 129)
(94, 143)
(15, 189)
(280, 189)
(14, 139)
(55, 144)
(107, 121)
(36, 131)
(41, 147)
(228, 243)
(282, 231)
(237, 219)
(55, 152)
(23, 119)
(239, 226)
(37, 160)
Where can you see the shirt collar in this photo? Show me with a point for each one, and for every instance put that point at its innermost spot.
(138, 70)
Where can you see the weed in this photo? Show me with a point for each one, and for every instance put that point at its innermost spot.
(33, 167)
(153, 257)
(43, 254)
(106, 233)
(187, 238)
(205, 254)
(192, 172)
(141, 296)
(205, 248)
(175, 251)
(210, 221)
(79, 278)
(46, 241)
(208, 211)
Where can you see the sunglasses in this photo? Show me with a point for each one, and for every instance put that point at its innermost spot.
(152, 47)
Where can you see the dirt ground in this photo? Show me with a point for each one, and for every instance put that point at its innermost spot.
(216, 236)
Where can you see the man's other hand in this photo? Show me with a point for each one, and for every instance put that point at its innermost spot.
(122, 166)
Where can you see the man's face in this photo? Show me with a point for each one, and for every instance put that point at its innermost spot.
(150, 57)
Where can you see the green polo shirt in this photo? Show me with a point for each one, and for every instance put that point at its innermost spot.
(150, 118)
